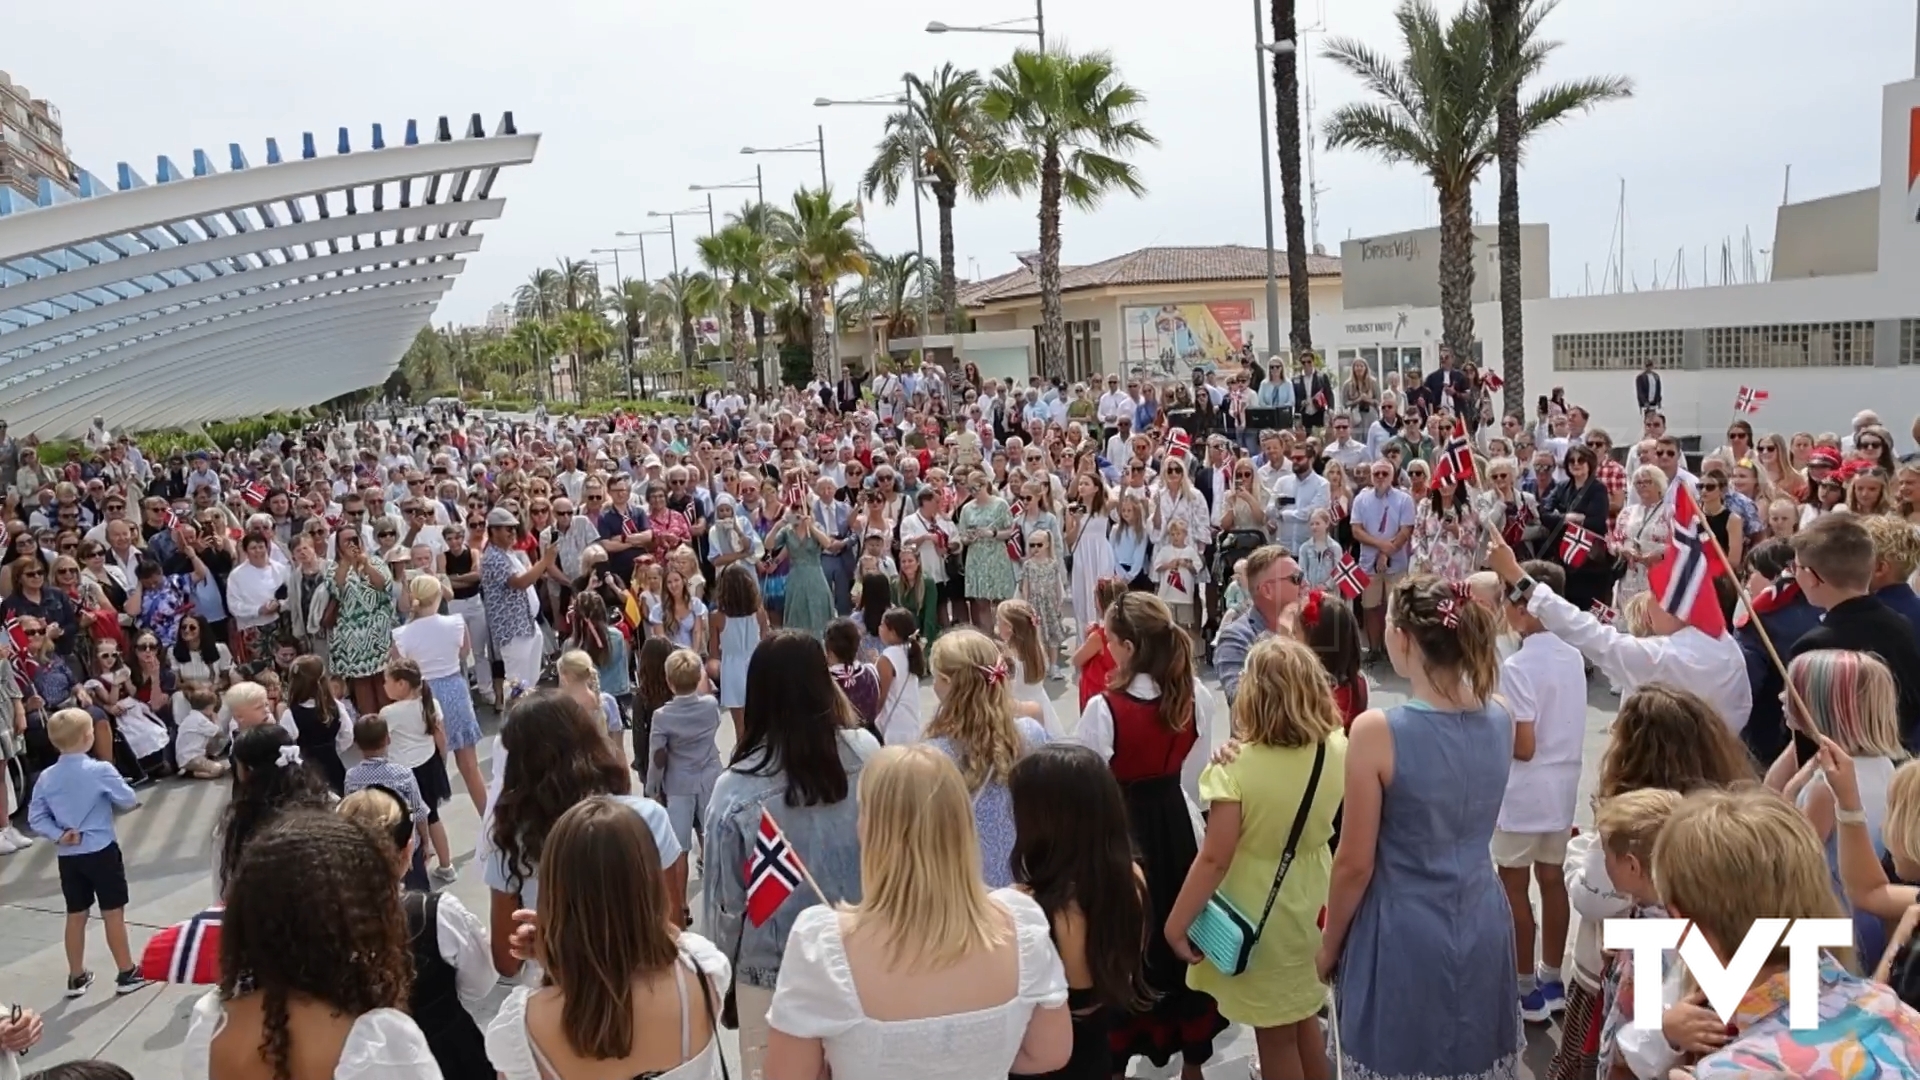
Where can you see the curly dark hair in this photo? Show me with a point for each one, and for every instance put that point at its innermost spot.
(557, 754)
(262, 790)
(314, 910)
(1670, 738)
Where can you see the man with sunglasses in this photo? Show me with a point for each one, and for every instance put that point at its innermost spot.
(1382, 522)
(1274, 584)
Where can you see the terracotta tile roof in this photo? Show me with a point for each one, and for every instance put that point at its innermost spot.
(1148, 266)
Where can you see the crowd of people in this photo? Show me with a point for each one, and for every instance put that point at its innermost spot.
(321, 622)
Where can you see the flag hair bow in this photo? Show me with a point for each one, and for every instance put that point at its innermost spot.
(289, 755)
(1462, 591)
(995, 673)
(1450, 613)
(1310, 608)
(593, 630)
(846, 676)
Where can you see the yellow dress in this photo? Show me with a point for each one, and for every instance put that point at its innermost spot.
(1278, 986)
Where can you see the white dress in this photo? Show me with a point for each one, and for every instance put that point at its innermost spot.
(817, 999)
(1092, 561)
(1035, 692)
(512, 1051)
(384, 1044)
(899, 719)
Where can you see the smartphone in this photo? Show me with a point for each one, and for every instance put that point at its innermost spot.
(1805, 746)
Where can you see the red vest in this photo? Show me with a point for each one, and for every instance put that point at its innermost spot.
(1143, 748)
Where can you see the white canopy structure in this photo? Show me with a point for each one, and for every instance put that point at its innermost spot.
(223, 294)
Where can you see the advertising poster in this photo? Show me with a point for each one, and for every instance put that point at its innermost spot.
(1173, 339)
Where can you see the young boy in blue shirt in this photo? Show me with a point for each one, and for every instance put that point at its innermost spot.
(73, 805)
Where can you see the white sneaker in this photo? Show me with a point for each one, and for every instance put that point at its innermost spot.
(21, 841)
(7, 846)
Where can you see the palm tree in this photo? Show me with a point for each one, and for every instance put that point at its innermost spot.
(890, 293)
(537, 341)
(735, 258)
(680, 293)
(819, 246)
(1062, 124)
(1438, 113)
(579, 283)
(1516, 40)
(1287, 135)
(765, 289)
(943, 127)
(541, 297)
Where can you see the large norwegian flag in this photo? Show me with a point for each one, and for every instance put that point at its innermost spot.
(1684, 579)
(773, 873)
(1457, 460)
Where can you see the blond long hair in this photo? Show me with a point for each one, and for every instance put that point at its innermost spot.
(920, 873)
(1285, 698)
(1726, 858)
(1024, 643)
(976, 713)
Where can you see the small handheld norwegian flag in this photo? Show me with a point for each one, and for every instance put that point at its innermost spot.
(1576, 545)
(255, 494)
(1352, 580)
(1602, 611)
(1017, 543)
(1783, 591)
(1749, 400)
(627, 526)
(1684, 579)
(1457, 461)
(1491, 381)
(1320, 401)
(773, 873)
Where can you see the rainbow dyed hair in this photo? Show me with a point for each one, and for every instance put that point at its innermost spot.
(1852, 698)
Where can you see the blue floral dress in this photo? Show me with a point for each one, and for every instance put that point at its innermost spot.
(990, 573)
(993, 807)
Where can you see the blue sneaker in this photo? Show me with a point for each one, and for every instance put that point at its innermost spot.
(1555, 994)
(1534, 1008)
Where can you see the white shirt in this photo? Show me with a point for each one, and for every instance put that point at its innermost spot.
(1114, 404)
(384, 1044)
(434, 642)
(1347, 452)
(899, 718)
(1309, 493)
(250, 588)
(409, 745)
(462, 940)
(817, 999)
(1096, 729)
(1545, 684)
(190, 741)
(1712, 667)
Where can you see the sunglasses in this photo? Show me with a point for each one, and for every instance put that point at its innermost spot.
(1870, 444)
(147, 646)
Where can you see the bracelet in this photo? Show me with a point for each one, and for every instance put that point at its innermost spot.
(1849, 817)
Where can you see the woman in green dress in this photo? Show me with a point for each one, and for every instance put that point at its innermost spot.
(809, 601)
(914, 591)
(985, 527)
(361, 637)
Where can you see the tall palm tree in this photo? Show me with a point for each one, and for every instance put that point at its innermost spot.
(584, 334)
(680, 291)
(943, 127)
(763, 288)
(1437, 112)
(1062, 124)
(890, 293)
(537, 341)
(542, 297)
(817, 242)
(735, 257)
(579, 283)
(1287, 136)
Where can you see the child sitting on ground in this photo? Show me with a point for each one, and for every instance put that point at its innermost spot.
(73, 805)
(199, 745)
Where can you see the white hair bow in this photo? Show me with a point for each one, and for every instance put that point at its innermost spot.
(289, 755)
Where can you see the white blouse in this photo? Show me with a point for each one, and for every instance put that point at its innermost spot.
(384, 1044)
(817, 999)
(512, 1051)
(1096, 729)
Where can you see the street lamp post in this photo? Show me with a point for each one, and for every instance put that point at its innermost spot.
(1038, 29)
(919, 236)
(1260, 51)
(818, 146)
(620, 287)
(756, 185)
(673, 242)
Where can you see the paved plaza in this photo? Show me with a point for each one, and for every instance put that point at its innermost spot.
(168, 845)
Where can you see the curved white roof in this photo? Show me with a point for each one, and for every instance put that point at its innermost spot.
(234, 293)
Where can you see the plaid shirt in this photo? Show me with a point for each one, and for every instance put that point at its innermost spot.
(1613, 477)
(379, 772)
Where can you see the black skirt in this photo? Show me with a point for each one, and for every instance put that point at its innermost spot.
(435, 786)
(1182, 1021)
(1092, 1023)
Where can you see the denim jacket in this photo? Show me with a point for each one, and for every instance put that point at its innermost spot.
(826, 838)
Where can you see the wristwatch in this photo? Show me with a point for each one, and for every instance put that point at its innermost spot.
(1518, 593)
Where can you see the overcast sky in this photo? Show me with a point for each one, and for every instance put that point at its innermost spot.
(635, 100)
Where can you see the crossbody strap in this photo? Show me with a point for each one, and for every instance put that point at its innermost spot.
(1293, 838)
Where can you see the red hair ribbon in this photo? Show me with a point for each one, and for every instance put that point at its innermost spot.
(995, 673)
(1310, 608)
(1462, 591)
(1450, 613)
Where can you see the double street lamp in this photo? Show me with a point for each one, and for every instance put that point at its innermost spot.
(817, 146)
(919, 237)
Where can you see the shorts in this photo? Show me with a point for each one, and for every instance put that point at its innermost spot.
(1377, 589)
(1517, 850)
(99, 876)
(686, 812)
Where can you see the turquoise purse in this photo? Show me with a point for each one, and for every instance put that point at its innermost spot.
(1222, 932)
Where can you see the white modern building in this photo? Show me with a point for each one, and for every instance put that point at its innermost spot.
(1835, 330)
(210, 294)
(500, 318)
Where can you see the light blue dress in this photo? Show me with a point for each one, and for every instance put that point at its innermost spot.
(738, 638)
(993, 808)
(1426, 981)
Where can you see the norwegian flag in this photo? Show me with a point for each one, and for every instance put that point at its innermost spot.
(1515, 529)
(627, 526)
(1749, 400)
(1320, 401)
(186, 953)
(255, 494)
(1491, 381)
(1783, 591)
(1604, 612)
(171, 520)
(23, 667)
(1576, 544)
(1684, 579)
(773, 873)
(1175, 579)
(1457, 460)
(1352, 580)
(1017, 543)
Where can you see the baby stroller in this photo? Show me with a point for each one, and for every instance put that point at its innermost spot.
(1229, 548)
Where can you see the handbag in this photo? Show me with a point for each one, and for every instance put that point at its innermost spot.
(1222, 932)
